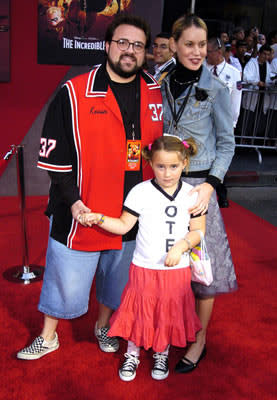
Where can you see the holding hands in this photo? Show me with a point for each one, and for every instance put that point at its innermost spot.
(89, 218)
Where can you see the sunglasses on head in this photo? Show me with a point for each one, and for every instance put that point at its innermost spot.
(219, 45)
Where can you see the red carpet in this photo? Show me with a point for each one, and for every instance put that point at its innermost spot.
(241, 359)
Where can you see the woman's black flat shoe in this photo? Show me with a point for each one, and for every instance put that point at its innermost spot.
(188, 366)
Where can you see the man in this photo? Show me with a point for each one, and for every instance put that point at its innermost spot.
(238, 33)
(241, 48)
(257, 70)
(273, 42)
(230, 59)
(251, 43)
(257, 73)
(224, 37)
(89, 126)
(218, 66)
(163, 55)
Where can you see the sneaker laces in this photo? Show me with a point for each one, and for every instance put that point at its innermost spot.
(130, 364)
(161, 362)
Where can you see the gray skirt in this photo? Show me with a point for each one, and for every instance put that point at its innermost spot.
(218, 249)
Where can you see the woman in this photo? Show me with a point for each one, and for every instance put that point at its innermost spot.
(197, 104)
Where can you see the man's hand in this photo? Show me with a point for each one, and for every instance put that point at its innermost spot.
(77, 209)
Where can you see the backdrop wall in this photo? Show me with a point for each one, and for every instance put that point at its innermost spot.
(30, 84)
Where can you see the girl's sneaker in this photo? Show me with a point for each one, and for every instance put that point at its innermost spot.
(128, 370)
(160, 370)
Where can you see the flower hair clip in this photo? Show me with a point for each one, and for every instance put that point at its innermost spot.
(185, 144)
(150, 146)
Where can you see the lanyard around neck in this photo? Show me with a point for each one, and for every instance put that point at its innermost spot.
(177, 116)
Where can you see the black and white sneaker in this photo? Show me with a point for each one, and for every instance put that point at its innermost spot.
(160, 370)
(38, 348)
(106, 343)
(128, 370)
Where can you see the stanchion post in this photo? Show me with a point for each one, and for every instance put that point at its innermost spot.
(21, 195)
(25, 273)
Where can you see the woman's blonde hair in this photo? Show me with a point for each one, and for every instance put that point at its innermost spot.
(185, 22)
(186, 149)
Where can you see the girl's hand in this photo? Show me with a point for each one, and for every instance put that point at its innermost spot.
(89, 219)
(173, 256)
(205, 191)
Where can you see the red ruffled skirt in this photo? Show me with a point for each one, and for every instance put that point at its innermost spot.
(157, 309)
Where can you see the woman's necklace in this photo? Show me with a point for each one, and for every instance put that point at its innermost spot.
(185, 83)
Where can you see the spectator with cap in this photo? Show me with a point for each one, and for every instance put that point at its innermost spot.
(218, 66)
(163, 55)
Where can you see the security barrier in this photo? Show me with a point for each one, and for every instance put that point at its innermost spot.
(257, 124)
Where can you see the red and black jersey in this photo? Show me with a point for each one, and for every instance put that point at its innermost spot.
(84, 135)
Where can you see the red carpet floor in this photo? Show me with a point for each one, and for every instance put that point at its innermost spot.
(241, 359)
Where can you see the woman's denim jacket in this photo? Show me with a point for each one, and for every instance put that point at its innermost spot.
(208, 121)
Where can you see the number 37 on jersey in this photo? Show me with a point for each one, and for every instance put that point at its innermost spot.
(157, 111)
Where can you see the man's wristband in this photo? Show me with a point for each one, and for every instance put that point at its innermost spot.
(101, 220)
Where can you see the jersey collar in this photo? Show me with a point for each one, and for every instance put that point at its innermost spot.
(168, 196)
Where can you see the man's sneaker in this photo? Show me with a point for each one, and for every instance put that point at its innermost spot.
(128, 370)
(160, 370)
(106, 343)
(38, 348)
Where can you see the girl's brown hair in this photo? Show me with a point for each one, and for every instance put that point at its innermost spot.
(171, 143)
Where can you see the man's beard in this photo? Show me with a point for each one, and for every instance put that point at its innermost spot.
(116, 67)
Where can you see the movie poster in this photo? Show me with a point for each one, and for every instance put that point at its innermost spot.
(4, 40)
(72, 32)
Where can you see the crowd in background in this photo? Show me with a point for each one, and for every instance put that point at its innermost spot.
(254, 55)
(241, 45)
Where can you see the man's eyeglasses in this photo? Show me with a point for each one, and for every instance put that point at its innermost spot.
(161, 46)
(124, 44)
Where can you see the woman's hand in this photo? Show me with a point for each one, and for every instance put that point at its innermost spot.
(204, 191)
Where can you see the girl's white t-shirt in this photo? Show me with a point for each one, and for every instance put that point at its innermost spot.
(163, 220)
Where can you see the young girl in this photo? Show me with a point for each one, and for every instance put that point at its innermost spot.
(157, 306)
